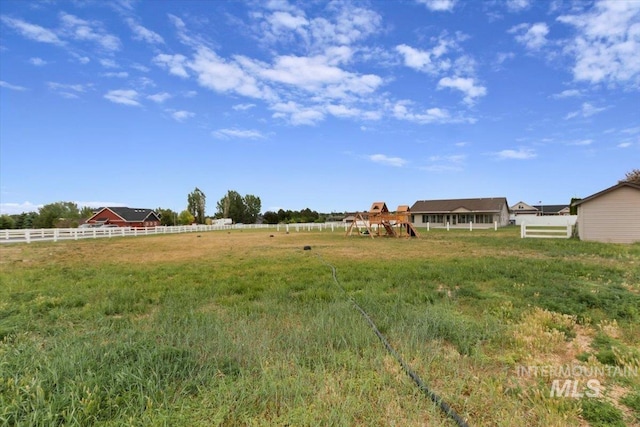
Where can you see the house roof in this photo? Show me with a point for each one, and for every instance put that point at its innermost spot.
(403, 208)
(525, 207)
(489, 204)
(131, 214)
(550, 208)
(607, 190)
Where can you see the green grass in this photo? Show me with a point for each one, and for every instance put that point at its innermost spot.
(243, 329)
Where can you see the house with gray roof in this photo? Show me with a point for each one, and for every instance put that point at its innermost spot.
(125, 217)
(482, 212)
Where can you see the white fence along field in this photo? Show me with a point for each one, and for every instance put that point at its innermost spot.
(559, 227)
(57, 234)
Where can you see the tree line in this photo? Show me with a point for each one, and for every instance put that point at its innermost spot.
(240, 209)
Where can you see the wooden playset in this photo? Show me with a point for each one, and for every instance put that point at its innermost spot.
(380, 222)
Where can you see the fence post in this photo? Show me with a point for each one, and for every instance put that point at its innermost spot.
(522, 230)
(427, 225)
(27, 236)
(568, 230)
(470, 226)
(495, 225)
(56, 233)
(447, 225)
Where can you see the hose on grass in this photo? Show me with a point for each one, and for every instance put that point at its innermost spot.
(435, 398)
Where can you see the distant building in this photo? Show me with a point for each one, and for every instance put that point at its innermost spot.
(480, 211)
(522, 208)
(125, 217)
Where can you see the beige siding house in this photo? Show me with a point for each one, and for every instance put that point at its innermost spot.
(483, 212)
(612, 215)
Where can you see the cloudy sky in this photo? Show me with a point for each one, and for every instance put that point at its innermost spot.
(330, 105)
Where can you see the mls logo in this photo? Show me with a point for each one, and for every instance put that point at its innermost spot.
(573, 389)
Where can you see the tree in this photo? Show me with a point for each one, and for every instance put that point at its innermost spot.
(252, 205)
(167, 216)
(231, 206)
(240, 209)
(196, 201)
(185, 218)
(632, 177)
(24, 220)
(270, 217)
(6, 222)
(86, 212)
(57, 214)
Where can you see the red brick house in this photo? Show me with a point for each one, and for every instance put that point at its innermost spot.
(125, 217)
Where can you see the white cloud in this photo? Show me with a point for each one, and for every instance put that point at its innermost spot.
(520, 154)
(182, 115)
(439, 5)
(583, 142)
(341, 24)
(32, 31)
(123, 96)
(319, 74)
(386, 160)
(518, 5)
(18, 208)
(144, 34)
(401, 111)
(465, 85)
(533, 36)
(81, 59)
(79, 29)
(174, 63)
(297, 114)
(342, 111)
(503, 57)
(426, 60)
(38, 62)
(631, 131)
(586, 110)
(348, 25)
(243, 107)
(108, 63)
(237, 134)
(223, 76)
(450, 163)
(624, 145)
(606, 46)
(159, 97)
(8, 85)
(68, 90)
(569, 93)
(119, 74)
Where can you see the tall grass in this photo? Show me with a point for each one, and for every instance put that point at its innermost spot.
(247, 329)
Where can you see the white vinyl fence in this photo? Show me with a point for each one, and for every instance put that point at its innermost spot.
(546, 231)
(56, 234)
(559, 227)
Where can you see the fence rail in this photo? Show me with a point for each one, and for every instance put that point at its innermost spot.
(57, 234)
(542, 231)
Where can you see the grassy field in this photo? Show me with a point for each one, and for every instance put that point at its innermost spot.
(246, 328)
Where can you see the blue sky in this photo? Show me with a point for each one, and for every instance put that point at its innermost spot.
(330, 105)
